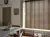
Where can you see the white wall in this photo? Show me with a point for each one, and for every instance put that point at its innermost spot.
(15, 19)
(2, 5)
(1, 2)
(0, 15)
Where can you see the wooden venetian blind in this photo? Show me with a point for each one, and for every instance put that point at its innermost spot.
(37, 14)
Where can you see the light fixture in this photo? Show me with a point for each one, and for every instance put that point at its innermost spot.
(5, 1)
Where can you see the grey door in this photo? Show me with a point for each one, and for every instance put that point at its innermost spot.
(6, 15)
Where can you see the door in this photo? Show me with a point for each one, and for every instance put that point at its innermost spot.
(6, 15)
